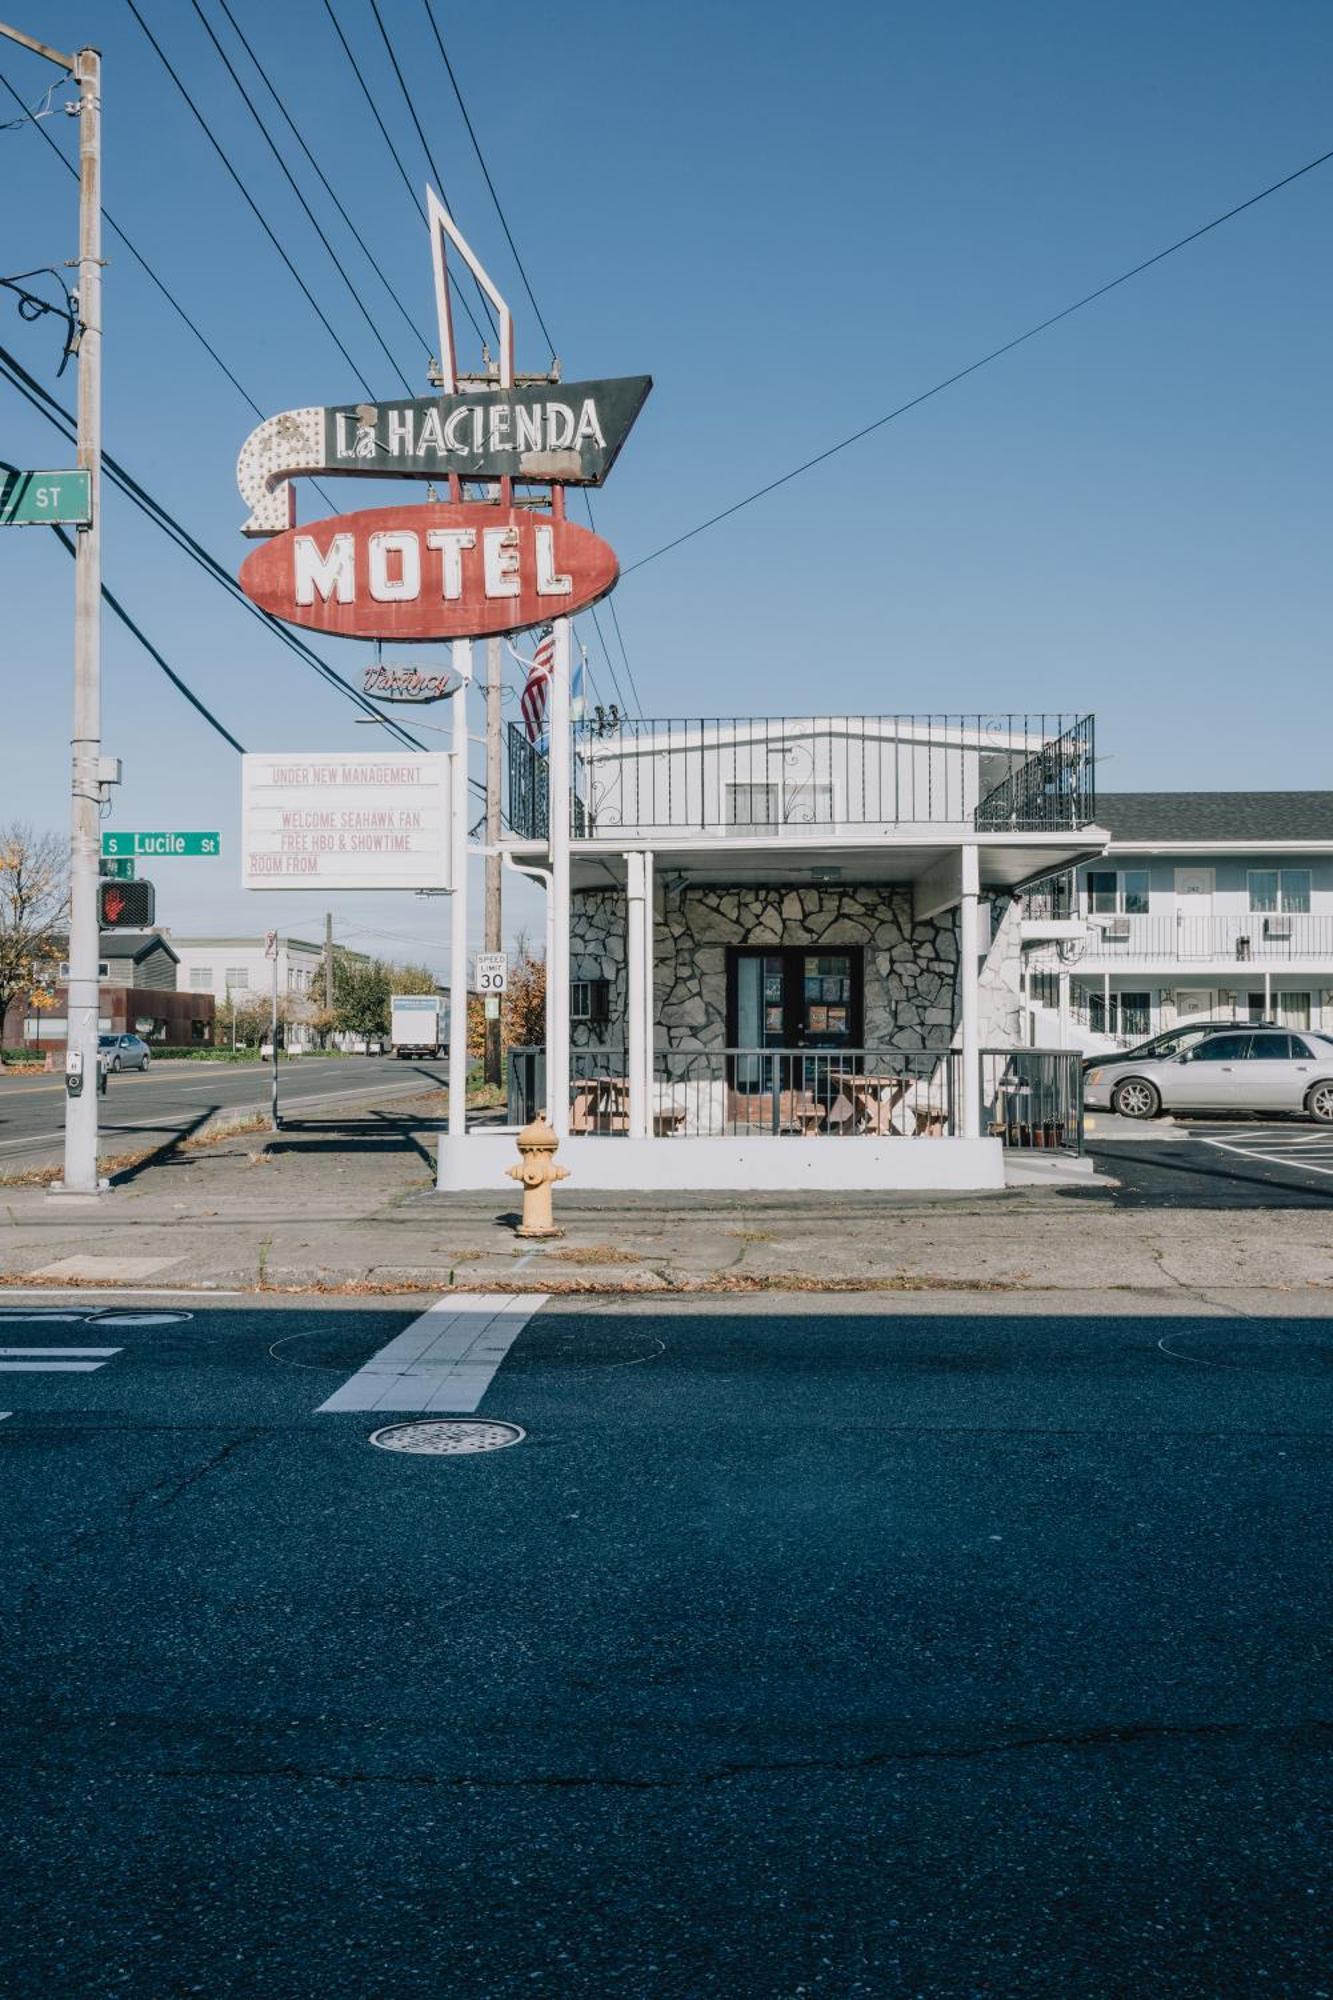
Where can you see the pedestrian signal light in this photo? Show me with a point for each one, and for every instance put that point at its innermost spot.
(125, 906)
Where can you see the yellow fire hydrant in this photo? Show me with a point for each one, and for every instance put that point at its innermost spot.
(538, 1172)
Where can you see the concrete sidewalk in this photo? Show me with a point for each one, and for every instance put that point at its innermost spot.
(348, 1204)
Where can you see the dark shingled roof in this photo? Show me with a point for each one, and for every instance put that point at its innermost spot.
(133, 944)
(1205, 816)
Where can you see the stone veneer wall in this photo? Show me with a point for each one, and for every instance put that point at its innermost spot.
(910, 967)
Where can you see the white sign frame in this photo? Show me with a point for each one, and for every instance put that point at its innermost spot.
(345, 820)
(490, 972)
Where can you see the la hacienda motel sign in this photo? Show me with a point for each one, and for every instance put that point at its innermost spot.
(464, 568)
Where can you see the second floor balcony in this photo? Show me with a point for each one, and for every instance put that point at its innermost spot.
(1262, 936)
(766, 778)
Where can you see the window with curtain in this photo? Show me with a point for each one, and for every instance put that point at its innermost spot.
(1285, 890)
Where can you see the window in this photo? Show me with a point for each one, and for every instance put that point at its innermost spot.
(590, 1000)
(1292, 1009)
(752, 806)
(1118, 894)
(1280, 889)
(198, 979)
(1130, 1015)
(237, 975)
(1223, 1048)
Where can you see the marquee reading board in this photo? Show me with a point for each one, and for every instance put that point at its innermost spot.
(345, 820)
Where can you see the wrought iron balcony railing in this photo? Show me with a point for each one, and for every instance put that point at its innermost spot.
(748, 778)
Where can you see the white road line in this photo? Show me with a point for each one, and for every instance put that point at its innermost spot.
(53, 1360)
(445, 1360)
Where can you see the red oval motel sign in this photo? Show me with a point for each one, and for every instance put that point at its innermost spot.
(437, 571)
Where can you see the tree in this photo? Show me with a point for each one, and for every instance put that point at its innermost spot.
(34, 907)
(410, 979)
(523, 1010)
(360, 996)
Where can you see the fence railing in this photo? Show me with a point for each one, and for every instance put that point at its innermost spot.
(753, 1093)
(1030, 1098)
(1251, 936)
(760, 777)
(1033, 1098)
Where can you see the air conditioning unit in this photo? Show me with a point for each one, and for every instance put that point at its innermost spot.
(1117, 931)
(1277, 927)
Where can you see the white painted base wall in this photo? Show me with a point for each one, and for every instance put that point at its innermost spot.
(765, 1165)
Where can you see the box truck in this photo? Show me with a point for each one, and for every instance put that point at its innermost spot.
(417, 1024)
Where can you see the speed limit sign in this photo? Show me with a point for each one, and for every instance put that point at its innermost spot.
(492, 970)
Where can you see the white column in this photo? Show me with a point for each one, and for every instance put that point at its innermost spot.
(557, 969)
(968, 955)
(649, 1026)
(1062, 995)
(634, 1011)
(1106, 1003)
(1268, 994)
(458, 982)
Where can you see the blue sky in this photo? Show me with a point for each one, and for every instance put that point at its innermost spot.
(792, 229)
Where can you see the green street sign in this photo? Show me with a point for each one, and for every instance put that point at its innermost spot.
(31, 499)
(115, 845)
(116, 871)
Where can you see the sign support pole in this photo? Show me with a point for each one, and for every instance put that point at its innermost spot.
(494, 928)
(458, 910)
(560, 815)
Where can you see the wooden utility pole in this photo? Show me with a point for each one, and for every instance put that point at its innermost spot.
(493, 920)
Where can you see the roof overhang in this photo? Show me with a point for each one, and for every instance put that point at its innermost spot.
(915, 856)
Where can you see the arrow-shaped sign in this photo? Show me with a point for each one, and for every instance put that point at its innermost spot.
(567, 433)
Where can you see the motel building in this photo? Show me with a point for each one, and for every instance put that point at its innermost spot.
(1204, 906)
(795, 948)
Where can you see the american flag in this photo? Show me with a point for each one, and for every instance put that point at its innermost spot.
(533, 700)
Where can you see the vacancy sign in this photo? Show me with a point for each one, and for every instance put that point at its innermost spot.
(345, 821)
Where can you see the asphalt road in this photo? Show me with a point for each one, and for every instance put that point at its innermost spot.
(1220, 1163)
(800, 1648)
(175, 1098)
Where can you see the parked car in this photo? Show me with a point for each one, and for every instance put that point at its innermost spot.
(123, 1052)
(1169, 1043)
(1265, 1070)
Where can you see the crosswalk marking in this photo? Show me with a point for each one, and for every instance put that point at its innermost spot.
(54, 1360)
(445, 1360)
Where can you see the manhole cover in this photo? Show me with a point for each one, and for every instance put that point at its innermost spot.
(448, 1437)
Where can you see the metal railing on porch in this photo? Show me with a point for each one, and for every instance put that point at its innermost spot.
(1030, 1098)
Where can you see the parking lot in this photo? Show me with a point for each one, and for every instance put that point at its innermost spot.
(1214, 1162)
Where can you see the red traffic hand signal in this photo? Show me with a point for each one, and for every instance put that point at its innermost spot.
(125, 906)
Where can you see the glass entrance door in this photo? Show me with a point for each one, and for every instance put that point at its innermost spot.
(793, 999)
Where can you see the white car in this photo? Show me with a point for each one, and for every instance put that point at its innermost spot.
(1251, 1069)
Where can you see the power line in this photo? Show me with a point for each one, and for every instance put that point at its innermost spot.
(425, 144)
(397, 157)
(114, 604)
(56, 414)
(481, 161)
(145, 266)
(292, 127)
(995, 354)
(249, 200)
(290, 178)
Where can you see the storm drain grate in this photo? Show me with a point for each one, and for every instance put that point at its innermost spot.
(448, 1437)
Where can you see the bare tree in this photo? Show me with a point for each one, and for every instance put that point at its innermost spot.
(34, 908)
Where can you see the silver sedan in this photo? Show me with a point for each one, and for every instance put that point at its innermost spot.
(1263, 1070)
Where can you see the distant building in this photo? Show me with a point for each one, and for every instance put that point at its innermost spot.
(237, 971)
(138, 994)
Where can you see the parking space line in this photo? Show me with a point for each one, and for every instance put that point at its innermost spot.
(445, 1360)
(1302, 1162)
(54, 1360)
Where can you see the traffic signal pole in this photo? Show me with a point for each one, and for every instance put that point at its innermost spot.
(85, 789)
(86, 743)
